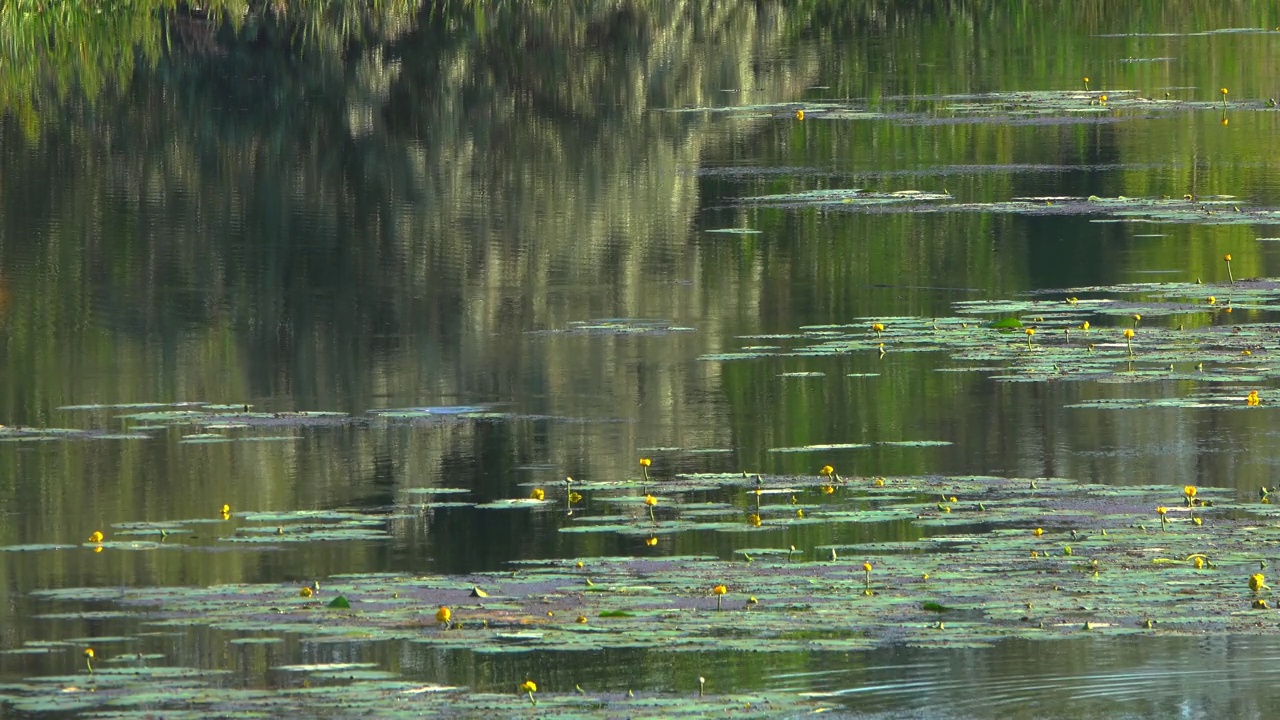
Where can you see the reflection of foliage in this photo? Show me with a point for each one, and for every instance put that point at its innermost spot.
(52, 48)
(269, 198)
(67, 44)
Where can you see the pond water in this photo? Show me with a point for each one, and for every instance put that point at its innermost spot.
(553, 241)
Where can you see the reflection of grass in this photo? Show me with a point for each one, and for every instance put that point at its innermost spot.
(52, 48)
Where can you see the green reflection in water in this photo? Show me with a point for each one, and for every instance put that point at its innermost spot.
(309, 206)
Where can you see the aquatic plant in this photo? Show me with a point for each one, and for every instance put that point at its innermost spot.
(530, 687)
(1227, 258)
(1258, 582)
(719, 591)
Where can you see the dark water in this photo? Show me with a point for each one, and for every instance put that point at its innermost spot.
(413, 207)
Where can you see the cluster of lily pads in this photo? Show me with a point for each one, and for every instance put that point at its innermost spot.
(1126, 333)
(989, 558)
(1206, 210)
(996, 558)
(1085, 104)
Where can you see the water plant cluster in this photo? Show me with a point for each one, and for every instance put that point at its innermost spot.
(991, 558)
(1211, 333)
(995, 558)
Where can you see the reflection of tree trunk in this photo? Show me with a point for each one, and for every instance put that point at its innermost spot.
(196, 33)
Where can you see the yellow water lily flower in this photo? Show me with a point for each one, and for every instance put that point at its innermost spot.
(719, 591)
(645, 462)
(1038, 532)
(877, 328)
(827, 471)
(575, 497)
(651, 542)
(1198, 562)
(537, 494)
(530, 687)
(1084, 325)
(96, 537)
(753, 520)
(444, 615)
(306, 592)
(1227, 258)
(1258, 582)
(650, 500)
(582, 619)
(799, 114)
(88, 659)
(1189, 491)
(1252, 400)
(828, 489)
